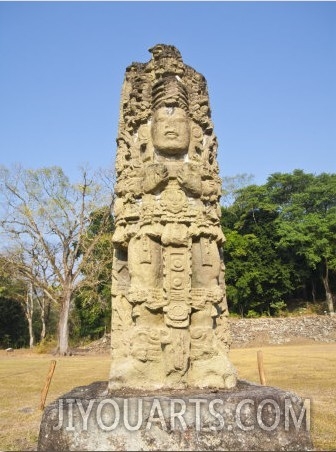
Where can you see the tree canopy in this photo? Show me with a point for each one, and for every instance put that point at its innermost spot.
(280, 236)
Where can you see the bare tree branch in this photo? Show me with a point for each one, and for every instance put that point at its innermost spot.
(45, 220)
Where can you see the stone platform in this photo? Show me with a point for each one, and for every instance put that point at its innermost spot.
(246, 418)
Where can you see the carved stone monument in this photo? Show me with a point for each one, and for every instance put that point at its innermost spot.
(171, 386)
(169, 310)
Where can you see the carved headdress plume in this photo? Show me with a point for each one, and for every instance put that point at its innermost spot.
(170, 92)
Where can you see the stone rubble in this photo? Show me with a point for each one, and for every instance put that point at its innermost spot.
(282, 330)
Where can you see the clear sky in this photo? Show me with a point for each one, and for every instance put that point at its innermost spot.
(270, 67)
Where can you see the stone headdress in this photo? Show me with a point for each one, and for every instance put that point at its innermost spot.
(166, 70)
(164, 81)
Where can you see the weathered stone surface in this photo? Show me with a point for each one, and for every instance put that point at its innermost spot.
(246, 418)
(169, 310)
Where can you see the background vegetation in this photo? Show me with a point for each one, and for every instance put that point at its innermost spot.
(56, 253)
(281, 244)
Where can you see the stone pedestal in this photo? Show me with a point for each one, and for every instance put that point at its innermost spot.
(246, 418)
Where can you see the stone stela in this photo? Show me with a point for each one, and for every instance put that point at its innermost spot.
(169, 309)
(171, 385)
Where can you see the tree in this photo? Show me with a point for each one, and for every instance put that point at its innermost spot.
(231, 186)
(307, 221)
(45, 222)
(13, 324)
(257, 278)
(13, 315)
(93, 302)
(281, 235)
(20, 290)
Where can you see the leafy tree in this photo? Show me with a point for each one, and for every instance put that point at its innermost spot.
(20, 290)
(307, 221)
(93, 302)
(256, 276)
(13, 324)
(45, 222)
(279, 236)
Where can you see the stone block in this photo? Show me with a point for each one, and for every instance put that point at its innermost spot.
(249, 417)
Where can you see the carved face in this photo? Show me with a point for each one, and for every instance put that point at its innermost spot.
(170, 130)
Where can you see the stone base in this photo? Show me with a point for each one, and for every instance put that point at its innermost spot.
(247, 418)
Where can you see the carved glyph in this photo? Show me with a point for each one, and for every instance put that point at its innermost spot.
(169, 311)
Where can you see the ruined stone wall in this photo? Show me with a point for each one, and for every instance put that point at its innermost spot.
(286, 330)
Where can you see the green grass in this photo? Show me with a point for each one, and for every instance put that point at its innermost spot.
(308, 370)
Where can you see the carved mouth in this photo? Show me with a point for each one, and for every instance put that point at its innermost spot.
(171, 134)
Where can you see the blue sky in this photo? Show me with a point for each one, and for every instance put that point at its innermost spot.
(270, 67)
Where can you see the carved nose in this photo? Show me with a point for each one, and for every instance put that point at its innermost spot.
(169, 128)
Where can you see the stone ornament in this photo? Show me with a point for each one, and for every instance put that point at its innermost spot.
(169, 310)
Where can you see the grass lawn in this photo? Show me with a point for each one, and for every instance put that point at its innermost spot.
(308, 370)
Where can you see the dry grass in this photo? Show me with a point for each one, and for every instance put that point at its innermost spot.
(22, 377)
(308, 370)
